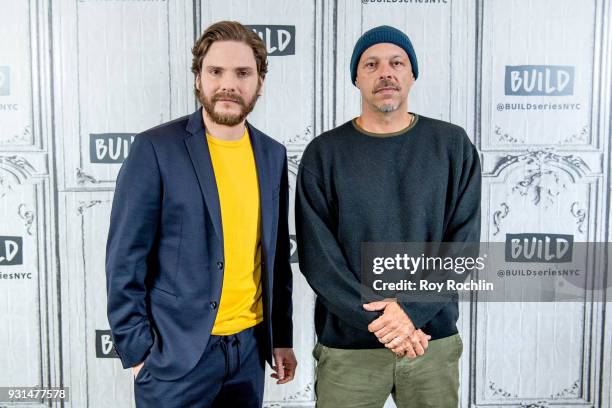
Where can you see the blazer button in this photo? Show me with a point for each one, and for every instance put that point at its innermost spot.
(213, 305)
(220, 265)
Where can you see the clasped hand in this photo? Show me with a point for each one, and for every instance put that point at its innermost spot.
(395, 330)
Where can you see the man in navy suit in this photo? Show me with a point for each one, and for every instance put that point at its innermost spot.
(197, 259)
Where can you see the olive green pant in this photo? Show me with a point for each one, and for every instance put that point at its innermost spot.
(365, 377)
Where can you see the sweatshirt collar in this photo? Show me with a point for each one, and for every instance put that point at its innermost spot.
(383, 135)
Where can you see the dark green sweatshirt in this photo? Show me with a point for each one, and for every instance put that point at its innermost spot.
(421, 184)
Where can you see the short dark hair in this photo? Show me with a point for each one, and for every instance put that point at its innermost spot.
(229, 31)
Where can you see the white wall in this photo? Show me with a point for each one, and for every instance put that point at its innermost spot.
(76, 71)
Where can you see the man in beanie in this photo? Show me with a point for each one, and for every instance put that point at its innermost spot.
(389, 175)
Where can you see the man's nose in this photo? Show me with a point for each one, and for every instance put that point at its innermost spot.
(227, 83)
(385, 72)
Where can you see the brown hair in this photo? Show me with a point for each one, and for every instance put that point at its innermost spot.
(229, 31)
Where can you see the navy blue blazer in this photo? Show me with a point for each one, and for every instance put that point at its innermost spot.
(164, 254)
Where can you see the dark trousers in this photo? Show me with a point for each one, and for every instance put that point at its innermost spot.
(230, 373)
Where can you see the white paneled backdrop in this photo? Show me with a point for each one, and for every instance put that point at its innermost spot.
(530, 81)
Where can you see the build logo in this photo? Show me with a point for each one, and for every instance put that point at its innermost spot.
(104, 345)
(279, 39)
(539, 80)
(539, 248)
(109, 147)
(11, 252)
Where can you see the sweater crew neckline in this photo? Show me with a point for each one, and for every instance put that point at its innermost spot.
(385, 135)
(228, 143)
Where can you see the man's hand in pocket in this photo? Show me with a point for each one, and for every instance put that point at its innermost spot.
(136, 369)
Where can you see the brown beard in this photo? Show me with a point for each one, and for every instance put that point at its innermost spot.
(225, 119)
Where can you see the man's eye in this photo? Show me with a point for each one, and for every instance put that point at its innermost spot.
(243, 73)
(215, 71)
(397, 63)
(369, 65)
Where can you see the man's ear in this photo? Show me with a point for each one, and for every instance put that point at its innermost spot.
(261, 87)
(197, 82)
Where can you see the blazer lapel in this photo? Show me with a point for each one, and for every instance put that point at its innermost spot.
(197, 146)
(268, 213)
(265, 185)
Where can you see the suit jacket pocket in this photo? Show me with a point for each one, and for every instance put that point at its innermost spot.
(161, 296)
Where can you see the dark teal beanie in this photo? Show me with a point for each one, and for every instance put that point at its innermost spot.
(383, 34)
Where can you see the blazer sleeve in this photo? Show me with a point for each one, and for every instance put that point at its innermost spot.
(133, 228)
(282, 307)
